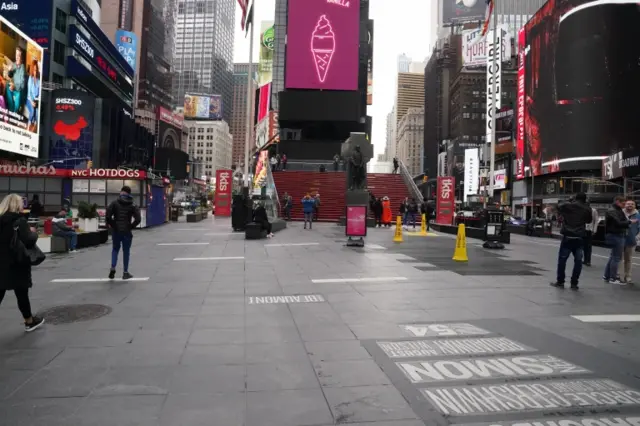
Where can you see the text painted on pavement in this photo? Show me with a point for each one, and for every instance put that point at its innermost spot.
(519, 397)
(441, 330)
(431, 348)
(487, 368)
(569, 421)
(265, 300)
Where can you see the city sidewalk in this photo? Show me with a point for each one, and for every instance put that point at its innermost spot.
(300, 330)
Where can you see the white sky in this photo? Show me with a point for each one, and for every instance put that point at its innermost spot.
(401, 26)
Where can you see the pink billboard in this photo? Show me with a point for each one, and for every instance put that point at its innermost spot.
(323, 44)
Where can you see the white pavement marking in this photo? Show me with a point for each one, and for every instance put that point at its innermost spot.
(90, 280)
(291, 244)
(219, 233)
(357, 280)
(606, 257)
(374, 247)
(607, 318)
(192, 229)
(183, 244)
(180, 259)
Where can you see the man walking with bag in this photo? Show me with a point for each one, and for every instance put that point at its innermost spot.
(122, 216)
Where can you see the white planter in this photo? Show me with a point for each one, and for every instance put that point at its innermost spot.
(89, 225)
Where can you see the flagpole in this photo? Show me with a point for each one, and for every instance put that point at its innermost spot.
(496, 98)
(249, 108)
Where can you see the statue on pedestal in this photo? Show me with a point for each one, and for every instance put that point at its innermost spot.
(357, 172)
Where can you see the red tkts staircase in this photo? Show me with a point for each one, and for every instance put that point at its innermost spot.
(332, 187)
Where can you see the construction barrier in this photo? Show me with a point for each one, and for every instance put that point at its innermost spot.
(460, 253)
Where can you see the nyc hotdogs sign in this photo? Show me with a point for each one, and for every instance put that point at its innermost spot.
(50, 171)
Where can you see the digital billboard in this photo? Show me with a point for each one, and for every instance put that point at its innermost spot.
(323, 44)
(265, 63)
(72, 125)
(456, 11)
(581, 85)
(370, 63)
(127, 45)
(202, 107)
(20, 89)
(169, 129)
(35, 22)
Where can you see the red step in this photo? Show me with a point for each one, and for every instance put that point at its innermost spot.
(332, 187)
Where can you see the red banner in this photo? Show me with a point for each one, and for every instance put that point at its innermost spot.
(222, 200)
(521, 109)
(446, 201)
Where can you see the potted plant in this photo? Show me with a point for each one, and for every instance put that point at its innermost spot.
(88, 215)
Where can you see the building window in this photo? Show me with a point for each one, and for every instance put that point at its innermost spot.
(181, 8)
(58, 52)
(57, 79)
(466, 115)
(61, 21)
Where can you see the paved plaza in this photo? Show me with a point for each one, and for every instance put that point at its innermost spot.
(300, 330)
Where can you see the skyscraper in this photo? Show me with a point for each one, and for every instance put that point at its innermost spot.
(403, 63)
(238, 123)
(203, 50)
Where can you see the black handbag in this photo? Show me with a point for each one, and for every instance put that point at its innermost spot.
(25, 256)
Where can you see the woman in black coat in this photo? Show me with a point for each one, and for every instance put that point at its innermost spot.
(16, 277)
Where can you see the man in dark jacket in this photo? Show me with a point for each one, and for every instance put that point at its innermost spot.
(616, 225)
(576, 214)
(122, 216)
(61, 229)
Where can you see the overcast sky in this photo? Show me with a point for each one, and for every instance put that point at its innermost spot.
(401, 26)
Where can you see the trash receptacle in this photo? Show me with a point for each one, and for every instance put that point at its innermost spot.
(175, 213)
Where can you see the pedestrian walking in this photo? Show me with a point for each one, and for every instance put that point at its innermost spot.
(403, 211)
(260, 217)
(16, 275)
(616, 226)
(377, 211)
(308, 205)
(412, 212)
(576, 214)
(592, 228)
(274, 163)
(395, 165)
(316, 207)
(336, 162)
(630, 241)
(35, 207)
(123, 215)
(278, 162)
(284, 161)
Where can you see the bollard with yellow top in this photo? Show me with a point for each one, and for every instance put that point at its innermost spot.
(460, 254)
(423, 226)
(397, 238)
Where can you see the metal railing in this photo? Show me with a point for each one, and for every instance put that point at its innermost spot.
(272, 203)
(314, 165)
(408, 180)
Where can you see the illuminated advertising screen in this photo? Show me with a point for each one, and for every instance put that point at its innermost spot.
(323, 44)
(98, 61)
(35, 22)
(581, 85)
(169, 129)
(127, 45)
(202, 107)
(72, 125)
(20, 89)
(456, 11)
(265, 63)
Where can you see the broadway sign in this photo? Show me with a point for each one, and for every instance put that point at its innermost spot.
(623, 163)
(523, 397)
(433, 348)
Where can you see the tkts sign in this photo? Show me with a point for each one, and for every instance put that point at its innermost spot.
(222, 201)
(446, 201)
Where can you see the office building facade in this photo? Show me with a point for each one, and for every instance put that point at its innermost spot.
(210, 145)
(202, 60)
(238, 124)
(410, 140)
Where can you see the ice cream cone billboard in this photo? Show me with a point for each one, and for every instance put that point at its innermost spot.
(265, 64)
(323, 44)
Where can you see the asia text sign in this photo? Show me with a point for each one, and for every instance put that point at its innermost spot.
(222, 200)
(521, 108)
(356, 221)
(446, 201)
(323, 44)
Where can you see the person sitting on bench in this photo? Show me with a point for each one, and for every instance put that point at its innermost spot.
(260, 216)
(61, 229)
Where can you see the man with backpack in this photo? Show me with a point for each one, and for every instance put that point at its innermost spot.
(122, 216)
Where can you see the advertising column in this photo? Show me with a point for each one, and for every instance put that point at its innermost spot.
(471, 172)
(265, 63)
(446, 202)
(222, 200)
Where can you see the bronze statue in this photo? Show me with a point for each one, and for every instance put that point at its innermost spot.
(357, 172)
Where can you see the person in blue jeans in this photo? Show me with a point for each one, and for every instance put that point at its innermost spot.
(308, 206)
(616, 226)
(122, 216)
(576, 214)
(61, 229)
